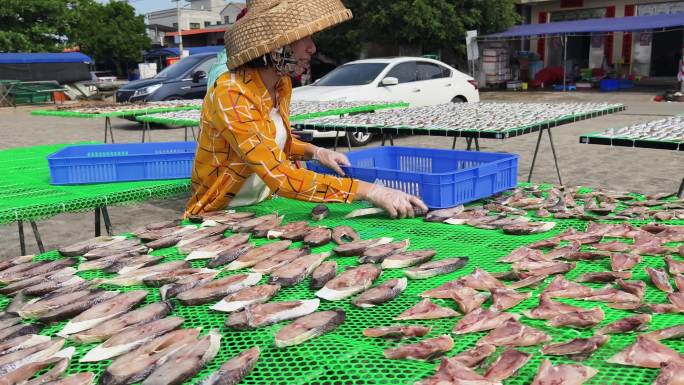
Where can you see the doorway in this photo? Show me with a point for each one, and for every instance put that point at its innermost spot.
(666, 53)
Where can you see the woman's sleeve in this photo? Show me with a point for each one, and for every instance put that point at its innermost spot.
(297, 150)
(244, 127)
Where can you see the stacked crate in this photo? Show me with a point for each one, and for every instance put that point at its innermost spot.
(495, 65)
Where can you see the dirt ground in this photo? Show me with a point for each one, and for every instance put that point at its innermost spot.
(619, 168)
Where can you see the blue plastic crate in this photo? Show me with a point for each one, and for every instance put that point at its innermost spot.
(625, 84)
(442, 178)
(104, 163)
(609, 85)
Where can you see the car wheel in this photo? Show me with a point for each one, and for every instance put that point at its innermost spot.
(459, 99)
(358, 139)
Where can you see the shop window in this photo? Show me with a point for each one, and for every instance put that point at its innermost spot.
(194, 25)
(207, 23)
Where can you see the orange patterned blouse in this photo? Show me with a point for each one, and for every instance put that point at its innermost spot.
(237, 139)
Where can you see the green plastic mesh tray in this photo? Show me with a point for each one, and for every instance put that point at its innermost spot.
(141, 111)
(26, 192)
(346, 357)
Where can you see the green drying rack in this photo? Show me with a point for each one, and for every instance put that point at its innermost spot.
(108, 131)
(345, 357)
(27, 195)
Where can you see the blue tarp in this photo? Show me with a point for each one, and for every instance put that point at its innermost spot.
(44, 57)
(175, 52)
(604, 25)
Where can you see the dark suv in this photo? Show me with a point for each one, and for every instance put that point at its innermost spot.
(185, 79)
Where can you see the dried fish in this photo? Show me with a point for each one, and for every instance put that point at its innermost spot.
(425, 350)
(604, 276)
(216, 289)
(397, 331)
(628, 324)
(297, 270)
(349, 283)
(578, 319)
(507, 364)
(344, 234)
(482, 320)
(245, 297)
(357, 248)
(377, 254)
(646, 353)
(660, 279)
(308, 327)
(513, 333)
(320, 212)
(254, 256)
(279, 260)
(578, 349)
(260, 315)
(434, 268)
(504, 298)
(381, 293)
(323, 273)
(318, 237)
(425, 309)
(564, 374)
(235, 369)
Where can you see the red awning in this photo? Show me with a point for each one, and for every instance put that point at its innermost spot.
(187, 32)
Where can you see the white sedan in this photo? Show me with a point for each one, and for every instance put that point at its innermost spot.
(417, 81)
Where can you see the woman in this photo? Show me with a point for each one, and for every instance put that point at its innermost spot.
(246, 149)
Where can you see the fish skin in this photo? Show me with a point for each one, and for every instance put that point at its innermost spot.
(660, 279)
(131, 338)
(235, 369)
(472, 358)
(226, 217)
(614, 246)
(670, 374)
(620, 262)
(185, 283)
(340, 234)
(558, 268)
(435, 268)
(50, 302)
(122, 266)
(578, 349)
(21, 342)
(528, 228)
(323, 273)
(156, 226)
(38, 269)
(254, 256)
(186, 362)
(8, 262)
(17, 331)
(350, 282)
(377, 254)
(482, 320)
(397, 331)
(467, 299)
(77, 307)
(503, 299)
(200, 234)
(29, 283)
(443, 214)
(214, 249)
(677, 299)
(308, 327)
(248, 225)
(646, 353)
(172, 276)
(407, 259)
(637, 322)
(262, 229)
(83, 378)
(230, 255)
(444, 290)
(103, 311)
(532, 281)
(216, 289)
(513, 333)
(604, 276)
(548, 308)
(199, 243)
(679, 281)
(171, 239)
(320, 212)
(381, 293)
(480, 280)
(19, 358)
(427, 350)
(279, 260)
(127, 247)
(136, 365)
(24, 373)
(292, 226)
(452, 372)
(83, 247)
(676, 331)
(296, 235)
(564, 374)
(507, 364)
(319, 236)
(297, 270)
(136, 277)
(137, 317)
(674, 267)
(245, 297)
(424, 310)
(356, 248)
(260, 315)
(523, 252)
(560, 287)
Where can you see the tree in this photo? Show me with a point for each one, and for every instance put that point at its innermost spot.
(427, 24)
(110, 33)
(35, 25)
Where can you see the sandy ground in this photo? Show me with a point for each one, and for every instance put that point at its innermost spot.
(620, 168)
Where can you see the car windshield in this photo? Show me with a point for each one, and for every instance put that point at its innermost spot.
(352, 74)
(180, 67)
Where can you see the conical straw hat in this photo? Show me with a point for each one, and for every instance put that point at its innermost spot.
(272, 24)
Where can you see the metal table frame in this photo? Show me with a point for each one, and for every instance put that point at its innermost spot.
(147, 131)
(636, 143)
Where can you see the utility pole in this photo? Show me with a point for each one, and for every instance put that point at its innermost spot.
(180, 36)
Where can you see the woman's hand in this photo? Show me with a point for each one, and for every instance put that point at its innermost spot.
(396, 203)
(331, 159)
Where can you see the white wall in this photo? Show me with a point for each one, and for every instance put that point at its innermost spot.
(168, 17)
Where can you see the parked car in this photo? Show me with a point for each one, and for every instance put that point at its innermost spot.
(185, 79)
(417, 81)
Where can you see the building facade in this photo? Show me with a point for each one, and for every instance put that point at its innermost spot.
(651, 53)
(197, 14)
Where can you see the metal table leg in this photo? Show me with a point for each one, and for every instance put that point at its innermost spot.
(555, 157)
(534, 158)
(22, 243)
(146, 129)
(107, 222)
(681, 189)
(337, 138)
(477, 144)
(382, 143)
(36, 233)
(453, 144)
(108, 128)
(192, 129)
(349, 141)
(469, 142)
(97, 222)
(391, 138)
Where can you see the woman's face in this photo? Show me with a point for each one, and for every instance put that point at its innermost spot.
(303, 50)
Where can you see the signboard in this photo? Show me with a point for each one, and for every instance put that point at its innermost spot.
(471, 44)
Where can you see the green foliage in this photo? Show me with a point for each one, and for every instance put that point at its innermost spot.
(34, 25)
(427, 24)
